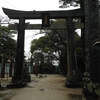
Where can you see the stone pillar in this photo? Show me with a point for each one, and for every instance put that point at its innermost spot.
(92, 33)
(18, 72)
(71, 74)
(92, 46)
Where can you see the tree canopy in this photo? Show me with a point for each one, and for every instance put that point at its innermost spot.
(67, 3)
(7, 43)
(54, 44)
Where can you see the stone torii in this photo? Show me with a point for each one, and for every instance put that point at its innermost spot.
(22, 15)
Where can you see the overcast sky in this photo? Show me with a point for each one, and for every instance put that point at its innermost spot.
(30, 5)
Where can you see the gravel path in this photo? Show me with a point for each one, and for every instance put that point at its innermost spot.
(46, 87)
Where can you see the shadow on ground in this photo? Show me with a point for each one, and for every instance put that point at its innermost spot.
(75, 97)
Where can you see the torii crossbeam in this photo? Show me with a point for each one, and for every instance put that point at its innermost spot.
(62, 14)
(39, 26)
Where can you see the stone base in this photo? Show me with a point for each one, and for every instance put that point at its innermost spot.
(27, 78)
(73, 85)
(17, 85)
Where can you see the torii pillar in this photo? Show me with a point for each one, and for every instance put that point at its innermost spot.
(18, 77)
(71, 74)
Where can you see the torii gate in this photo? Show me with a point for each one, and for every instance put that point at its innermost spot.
(22, 15)
(92, 39)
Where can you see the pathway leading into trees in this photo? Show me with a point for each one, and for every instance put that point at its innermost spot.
(45, 87)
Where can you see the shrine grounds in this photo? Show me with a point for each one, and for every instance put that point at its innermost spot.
(43, 87)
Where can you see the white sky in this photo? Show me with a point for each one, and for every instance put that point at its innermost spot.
(30, 5)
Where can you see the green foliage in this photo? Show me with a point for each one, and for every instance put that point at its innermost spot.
(55, 41)
(41, 43)
(7, 43)
(69, 1)
(64, 3)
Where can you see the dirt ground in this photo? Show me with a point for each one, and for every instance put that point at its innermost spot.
(43, 87)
